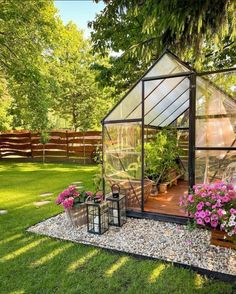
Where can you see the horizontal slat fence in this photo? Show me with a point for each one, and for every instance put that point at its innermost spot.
(62, 145)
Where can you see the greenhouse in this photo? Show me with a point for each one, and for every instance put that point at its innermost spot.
(174, 128)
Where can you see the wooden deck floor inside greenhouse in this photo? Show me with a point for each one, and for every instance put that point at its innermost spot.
(168, 203)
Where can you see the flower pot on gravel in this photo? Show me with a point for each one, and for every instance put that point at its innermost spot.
(77, 216)
(221, 238)
(74, 203)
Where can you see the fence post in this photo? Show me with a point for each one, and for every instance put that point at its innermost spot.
(84, 146)
(67, 145)
(31, 149)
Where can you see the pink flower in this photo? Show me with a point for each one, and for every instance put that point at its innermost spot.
(202, 214)
(208, 203)
(232, 211)
(207, 219)
(89, 193)
(190, 198)
(68, 203)
(207, 212)
(225, 199)
(200, 205)
(199, 221)
(221, 212)
(214, 223)
(214, 217)
(72, 188)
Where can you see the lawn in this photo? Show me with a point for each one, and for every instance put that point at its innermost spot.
(36, 264)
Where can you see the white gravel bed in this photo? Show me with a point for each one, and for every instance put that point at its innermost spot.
(161, 240)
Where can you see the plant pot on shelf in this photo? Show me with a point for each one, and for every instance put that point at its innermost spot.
(77, 215)
(163, 188)
(220, 238)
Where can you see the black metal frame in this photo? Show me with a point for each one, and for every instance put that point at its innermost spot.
(98, 207)
(192, 75)
(118, 200)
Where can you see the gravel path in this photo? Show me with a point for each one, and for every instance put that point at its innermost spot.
(150, 238)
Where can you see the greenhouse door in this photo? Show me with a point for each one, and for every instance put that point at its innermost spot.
(122, 145)
(166, 164)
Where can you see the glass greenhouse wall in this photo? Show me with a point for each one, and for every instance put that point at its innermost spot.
(200, 107)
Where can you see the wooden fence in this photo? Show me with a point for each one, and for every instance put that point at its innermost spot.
(62, 145)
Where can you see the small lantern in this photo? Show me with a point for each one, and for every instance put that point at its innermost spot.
(117, 210)
(115, 188)
(97, 217)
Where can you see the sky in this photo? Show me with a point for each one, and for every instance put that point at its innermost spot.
(79, 11)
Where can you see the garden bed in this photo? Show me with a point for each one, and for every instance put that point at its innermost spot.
(149, 238)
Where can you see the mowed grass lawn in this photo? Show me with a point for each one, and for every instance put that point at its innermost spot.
(36, 264)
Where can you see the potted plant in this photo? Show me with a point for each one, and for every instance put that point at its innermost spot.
(214, 206)
(74, 204)
(161, 156)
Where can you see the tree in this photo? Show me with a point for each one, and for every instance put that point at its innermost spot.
(199, 31)
(27, 33)
(79, 97)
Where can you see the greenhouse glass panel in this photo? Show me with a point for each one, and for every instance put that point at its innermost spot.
(131, 106)
(122, 161)
(216, 110)
(167, 102)
(213, 165)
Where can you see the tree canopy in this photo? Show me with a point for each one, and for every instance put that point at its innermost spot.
(202, 32)
(51, 76)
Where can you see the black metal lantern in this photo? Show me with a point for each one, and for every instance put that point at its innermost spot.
(97, 217)
(115, 188)
(117, 210)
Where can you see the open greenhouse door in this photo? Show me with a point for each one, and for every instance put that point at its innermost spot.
(122, 161)
(166, 142)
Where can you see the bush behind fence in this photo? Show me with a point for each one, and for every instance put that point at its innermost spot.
(62, 146)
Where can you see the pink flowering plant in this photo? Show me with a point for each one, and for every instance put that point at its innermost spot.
(70, 197)
(212, 205)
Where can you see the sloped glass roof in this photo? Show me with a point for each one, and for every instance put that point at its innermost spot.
(162, 96)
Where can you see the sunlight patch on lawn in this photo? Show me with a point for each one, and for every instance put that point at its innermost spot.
(17, 292)
(156, 273)
(12, 238)
(21, 250)
(50, 256)
(76, 264)
(198, 281)
(120, 262)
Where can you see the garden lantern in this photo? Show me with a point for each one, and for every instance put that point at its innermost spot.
(115, 190)
(97, 217)
(117, 210)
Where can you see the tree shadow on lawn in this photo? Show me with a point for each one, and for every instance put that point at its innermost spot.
(54, 266)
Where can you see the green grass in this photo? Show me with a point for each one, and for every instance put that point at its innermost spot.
(36, 264)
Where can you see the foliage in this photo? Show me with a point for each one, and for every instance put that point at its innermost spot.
(161, 155)
(5, 103)
(63, 261)
(27, 31)
(212, 205)
(48, 69)
(200, 32)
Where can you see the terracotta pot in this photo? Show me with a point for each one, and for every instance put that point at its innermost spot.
(163, 188)
(220, 238)
(77, 216)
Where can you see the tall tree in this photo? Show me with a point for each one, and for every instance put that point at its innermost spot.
(27, 32)
(199, 31)
(79, 95)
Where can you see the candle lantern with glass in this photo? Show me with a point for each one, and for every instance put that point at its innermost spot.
(97, 216)
(117, 207)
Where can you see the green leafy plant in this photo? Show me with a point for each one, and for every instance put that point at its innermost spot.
(161, 155)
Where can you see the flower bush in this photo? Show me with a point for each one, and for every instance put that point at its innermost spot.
(213, 205)
(70, 197)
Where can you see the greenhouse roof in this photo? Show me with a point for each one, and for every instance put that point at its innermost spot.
(166, 94)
